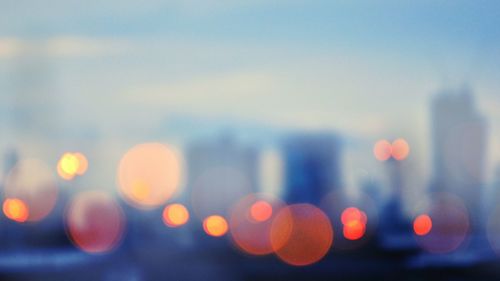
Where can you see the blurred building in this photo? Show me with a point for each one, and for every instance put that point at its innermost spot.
(221, 171)
(393, 218)
(312, 167)
(459, 141)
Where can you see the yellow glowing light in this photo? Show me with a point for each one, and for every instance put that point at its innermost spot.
(175, 215)
(15, 210)
(141, 190)
(215, 226)
(63, 174)
(69, 163)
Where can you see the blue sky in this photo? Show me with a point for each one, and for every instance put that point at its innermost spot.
(366, 68)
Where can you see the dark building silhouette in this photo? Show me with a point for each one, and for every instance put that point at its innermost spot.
(312, 166)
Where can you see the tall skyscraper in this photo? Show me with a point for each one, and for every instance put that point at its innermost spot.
(459, 140)
(312, 167)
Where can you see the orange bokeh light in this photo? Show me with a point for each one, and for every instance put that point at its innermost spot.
(422, 225)
(250, 223)
(400, 149)
(175, 215)
(83, 163)
(15, 209)
(382, 150)
(354, 230)
(32, 182)
(215, 226)
(353, 214)
(301, 234)
(261, 211)
(148, 175)
(95, 222)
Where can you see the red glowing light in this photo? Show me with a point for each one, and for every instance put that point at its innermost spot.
(354, 230)
(422, 225)
(353, 214)
(261, 211)
(95, 222)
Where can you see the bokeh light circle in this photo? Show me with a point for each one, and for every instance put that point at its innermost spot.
(261, 211)
(344, 210)
(354, 230)
(95, 223)
(83, 163)
(175, 215)
(69, 163)
(450, 224)
(353, 214)
(301, 234)
(422, 225)
(148, 175)
(32, 182)
(15, 209)
(215, 225)
(382, 150)
(400, 149)
(250, 223)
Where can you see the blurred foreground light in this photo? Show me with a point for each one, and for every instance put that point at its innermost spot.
(67, 166)
(450, 224)
(175, 215)
(71, 165)
(356, 227)
(148, 175)
(32, 182)
(15, 209)
(353, 214)
(354, 230)
(354, 223)
(382, 150)
(250, 223)
(261, 211)
(215, 226)
(82, 163)
(301, 234)
(400, 149)
(422, 225)
(95, 222)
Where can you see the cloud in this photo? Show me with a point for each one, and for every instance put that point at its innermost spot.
(64, 46)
